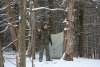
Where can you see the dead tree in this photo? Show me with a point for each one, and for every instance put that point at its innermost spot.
(22, 34)
(68, 31)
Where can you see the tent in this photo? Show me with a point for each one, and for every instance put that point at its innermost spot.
(57, 46)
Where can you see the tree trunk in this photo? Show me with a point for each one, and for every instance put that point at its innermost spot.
(33, 30)
(65, 40)
(99, 54)
(22, 34)
(14, 30)
(51, 16)
(31, 49)
(81, 40)
(33, 25)
(42, 17)
(1, 56)
(69, 29)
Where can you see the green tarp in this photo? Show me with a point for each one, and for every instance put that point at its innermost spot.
(56, 47)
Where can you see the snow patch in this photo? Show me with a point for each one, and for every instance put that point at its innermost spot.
(19, 17)
(3, 8)
(66, 9)
(66, 28)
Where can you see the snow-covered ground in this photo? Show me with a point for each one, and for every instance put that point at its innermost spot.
(78, 62)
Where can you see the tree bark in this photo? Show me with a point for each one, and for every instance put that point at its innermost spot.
(14, 30)
(33, 26)
(1, 56)
(69, 35)
(51, 16)
(22, 34)
(81, 39)
(33, 31)
(65, 40)
(31, 49)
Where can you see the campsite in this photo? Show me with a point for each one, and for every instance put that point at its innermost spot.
(49, 33)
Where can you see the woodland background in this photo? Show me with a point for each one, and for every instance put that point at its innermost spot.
(78, 19)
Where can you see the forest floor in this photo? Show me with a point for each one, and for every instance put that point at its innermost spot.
(10, 61)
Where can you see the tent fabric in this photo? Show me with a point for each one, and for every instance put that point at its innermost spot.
(57, 45)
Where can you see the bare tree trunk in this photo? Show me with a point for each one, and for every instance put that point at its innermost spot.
(22, 33)
(33, 30)
(1, 56)
(65, 40)
(41, 3)
(51, 16)
(81, 40)
(14, 30)
(99, 52)
(30, 45)
(31, 49)
(69, 29)
(33, 25)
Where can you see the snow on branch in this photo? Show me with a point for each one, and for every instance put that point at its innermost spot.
(45, 8)
(28, 35)
(66, 28)
(9, 44)
(2, 2)
(3, 14)
(3, 24)
(3, 8)
(66, 9)
(63, 2)
(12, 24)
(4, 29)
(28, 29)
(65, 21)
(5, 19)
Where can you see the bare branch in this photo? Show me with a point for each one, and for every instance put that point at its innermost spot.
(4, 29)
(45, 8)
(9, 44)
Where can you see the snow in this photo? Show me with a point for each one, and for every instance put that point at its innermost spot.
(78, 62)
(39, 8)
(65, 21)
(66, 9)
(4, 29)
(96, 7)
(9, 23)
(19, 17)
(66, 28)
(63, 2)
(94, 0)
(3, 8)
(9, 44)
